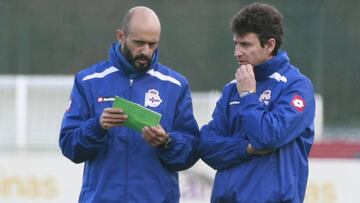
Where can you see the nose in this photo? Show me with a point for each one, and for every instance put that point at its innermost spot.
(238, 51)
(146, 49)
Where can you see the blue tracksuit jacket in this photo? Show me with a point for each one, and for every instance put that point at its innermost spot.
(119, 165)
(278, 116)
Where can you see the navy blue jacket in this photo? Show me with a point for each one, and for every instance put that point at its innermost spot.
(119, 165)
(279, 116)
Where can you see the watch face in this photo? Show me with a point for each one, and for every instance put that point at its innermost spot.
(168, 140)
(243, 94)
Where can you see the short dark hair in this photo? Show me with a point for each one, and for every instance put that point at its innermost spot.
(261, 19)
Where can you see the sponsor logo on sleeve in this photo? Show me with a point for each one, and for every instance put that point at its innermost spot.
(105, 99)
(69, 106)
(298, 102)
(234, 103)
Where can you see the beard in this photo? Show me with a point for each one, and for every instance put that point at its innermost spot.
(142, 67)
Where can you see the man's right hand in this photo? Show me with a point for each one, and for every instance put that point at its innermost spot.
(112, 117)
(252, 151)
(245, 78)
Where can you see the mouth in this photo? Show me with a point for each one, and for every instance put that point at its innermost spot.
(143, 61)
(241, 62)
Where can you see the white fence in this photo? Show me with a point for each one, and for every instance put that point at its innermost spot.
(32, 107)
(31, 111)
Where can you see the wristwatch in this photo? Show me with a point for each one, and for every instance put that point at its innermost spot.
(167, 142)
(244, 93)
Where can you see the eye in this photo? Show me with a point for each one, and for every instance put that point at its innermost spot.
(152, 44)
(139, 43)
(246, 44)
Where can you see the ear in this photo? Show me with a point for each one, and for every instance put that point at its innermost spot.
(120, 36)
(270, 45)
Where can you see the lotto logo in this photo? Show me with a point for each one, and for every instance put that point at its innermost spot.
(298, 102)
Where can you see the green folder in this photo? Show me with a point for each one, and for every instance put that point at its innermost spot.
(138, 116)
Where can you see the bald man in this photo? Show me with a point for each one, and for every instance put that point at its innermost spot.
(123, 164)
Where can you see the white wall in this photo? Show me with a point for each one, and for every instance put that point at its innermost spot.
(334, 181)
(48, 177)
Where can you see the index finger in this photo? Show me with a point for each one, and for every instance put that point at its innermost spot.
(249, 69)
(113, 110)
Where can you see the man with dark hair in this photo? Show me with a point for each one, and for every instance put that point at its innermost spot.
(262, 128)
(122, 164)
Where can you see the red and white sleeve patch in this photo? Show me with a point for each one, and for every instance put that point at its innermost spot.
(69, 106)
(298, 102)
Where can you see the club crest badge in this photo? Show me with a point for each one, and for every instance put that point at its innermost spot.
(152, 98)
(265, 97)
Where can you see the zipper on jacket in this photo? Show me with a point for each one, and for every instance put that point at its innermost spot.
(127, 150)
(131, 83)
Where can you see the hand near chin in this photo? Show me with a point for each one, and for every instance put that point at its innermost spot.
(245, 78)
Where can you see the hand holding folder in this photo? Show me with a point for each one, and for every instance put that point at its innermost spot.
(138, 116)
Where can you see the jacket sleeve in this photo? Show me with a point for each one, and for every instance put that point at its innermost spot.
(287, 118)
(181, 153)
(217, 147)
(81, 135)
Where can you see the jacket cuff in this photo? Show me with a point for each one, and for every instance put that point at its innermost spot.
(94, 129)
(168, 145)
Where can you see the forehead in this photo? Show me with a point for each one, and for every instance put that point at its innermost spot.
(247, 37)
(144, 28)
(144, 34)
(145, 37)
